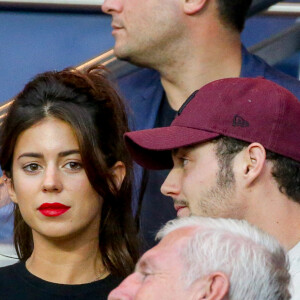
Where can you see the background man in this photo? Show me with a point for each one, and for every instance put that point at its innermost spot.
(187, 44)
(235, 155)
(205, 258)
(5, 224)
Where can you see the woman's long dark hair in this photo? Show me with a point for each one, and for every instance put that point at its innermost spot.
(88, 102)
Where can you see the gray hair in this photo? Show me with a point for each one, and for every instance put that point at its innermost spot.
(255, 263)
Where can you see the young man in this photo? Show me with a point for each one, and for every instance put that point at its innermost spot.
(186, 44)
(236, 154)
(205, 258)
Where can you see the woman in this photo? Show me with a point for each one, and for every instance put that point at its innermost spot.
(69, 175)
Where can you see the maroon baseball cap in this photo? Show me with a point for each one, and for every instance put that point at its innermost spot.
(248, 109)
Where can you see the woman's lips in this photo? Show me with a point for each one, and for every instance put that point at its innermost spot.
(53, 209)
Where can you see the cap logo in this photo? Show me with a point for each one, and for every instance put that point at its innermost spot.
(238, 121)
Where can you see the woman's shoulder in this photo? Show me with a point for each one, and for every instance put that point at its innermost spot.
(11, 269)
(11, 282)
(17, 283)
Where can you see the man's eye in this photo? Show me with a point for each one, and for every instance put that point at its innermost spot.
(32, 167)
(145, 275)
(73, 165)
(184, 161)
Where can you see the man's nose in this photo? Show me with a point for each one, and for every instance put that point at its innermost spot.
(111, 6)
(126, 290)
(52, 180)
(171, 185)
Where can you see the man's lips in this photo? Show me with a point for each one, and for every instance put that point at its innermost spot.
(116, 27)
(178, 207)
(182, 210)
(117, 24)
(53, 209)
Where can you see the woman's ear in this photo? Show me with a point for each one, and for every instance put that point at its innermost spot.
(191, 7)
(254, 161)
(118, 172)
(10, 191)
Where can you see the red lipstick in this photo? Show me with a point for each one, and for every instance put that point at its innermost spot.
(53, 209)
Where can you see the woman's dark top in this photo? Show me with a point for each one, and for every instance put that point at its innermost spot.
(16, 282)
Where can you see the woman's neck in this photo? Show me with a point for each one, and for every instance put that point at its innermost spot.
(66, 262)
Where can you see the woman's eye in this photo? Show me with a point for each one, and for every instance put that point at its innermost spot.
(73, 165)
(32, 167)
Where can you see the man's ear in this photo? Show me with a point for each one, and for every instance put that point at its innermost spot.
(212, 287)
(118, 172)
(10, 188)
(191, 7)
(4, 196)
(254, 162)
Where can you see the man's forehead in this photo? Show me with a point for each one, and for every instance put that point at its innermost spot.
(185, 149)
(170, 245)
(178, 236)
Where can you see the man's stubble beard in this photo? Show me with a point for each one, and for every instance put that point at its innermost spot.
(218, 200)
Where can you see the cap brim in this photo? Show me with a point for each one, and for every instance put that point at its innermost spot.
(151, 148)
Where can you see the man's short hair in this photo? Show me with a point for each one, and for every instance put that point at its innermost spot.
(234, 12)
(285, 171)
(254, 262)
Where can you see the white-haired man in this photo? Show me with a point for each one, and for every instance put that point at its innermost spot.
(206, 258)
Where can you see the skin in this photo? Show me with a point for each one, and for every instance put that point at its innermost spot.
(173, 37)
(195, 184)
(156, 20)
(158, 275)
(197, 187)
(47, 168)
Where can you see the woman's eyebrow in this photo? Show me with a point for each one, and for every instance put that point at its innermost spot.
(31, 154)
(40, 155)
(68, 152)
